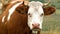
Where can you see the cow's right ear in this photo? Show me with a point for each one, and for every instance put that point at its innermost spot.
(49, 10)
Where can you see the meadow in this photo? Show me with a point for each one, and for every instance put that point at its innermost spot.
(51, 24)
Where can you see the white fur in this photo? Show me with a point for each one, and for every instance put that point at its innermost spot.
(35, 3)
(35, 11)
(3, 19)
(11, 10)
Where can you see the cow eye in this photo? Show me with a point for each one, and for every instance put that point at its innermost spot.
(42, 14)
(29, 14)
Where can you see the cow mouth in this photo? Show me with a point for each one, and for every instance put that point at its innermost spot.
(35, 31)
(36, 28)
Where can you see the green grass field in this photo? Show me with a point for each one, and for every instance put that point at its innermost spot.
(51, 24)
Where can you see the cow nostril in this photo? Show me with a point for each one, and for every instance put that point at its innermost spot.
(35, 25)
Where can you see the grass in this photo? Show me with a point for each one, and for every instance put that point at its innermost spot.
(51, 24)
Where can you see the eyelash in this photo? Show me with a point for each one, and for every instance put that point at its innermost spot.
(29, 14)
(42, 14)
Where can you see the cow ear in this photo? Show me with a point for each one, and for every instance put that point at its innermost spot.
(49, 10)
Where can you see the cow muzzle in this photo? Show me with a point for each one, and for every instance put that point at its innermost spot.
(36, 26)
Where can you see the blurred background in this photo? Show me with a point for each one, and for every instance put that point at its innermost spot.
(51, 24)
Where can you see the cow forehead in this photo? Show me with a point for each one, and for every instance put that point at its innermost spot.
(35, 3)
(35, 10)
(35, 7)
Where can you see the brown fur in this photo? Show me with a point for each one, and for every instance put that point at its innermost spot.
(49, 10)
(17, 23)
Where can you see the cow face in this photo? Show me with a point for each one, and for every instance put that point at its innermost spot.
(36, 13)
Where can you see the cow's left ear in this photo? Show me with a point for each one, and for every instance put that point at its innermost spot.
(49, 10)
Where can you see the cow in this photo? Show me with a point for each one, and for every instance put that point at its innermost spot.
(22, 18)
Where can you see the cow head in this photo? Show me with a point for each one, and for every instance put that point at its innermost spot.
(36, 13)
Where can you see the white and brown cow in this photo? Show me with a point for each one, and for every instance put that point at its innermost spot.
(22, 18)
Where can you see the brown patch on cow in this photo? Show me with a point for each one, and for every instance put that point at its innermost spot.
(7, 7)
(17, 23)
(22, 9)
(49, 10)
(6, 10)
